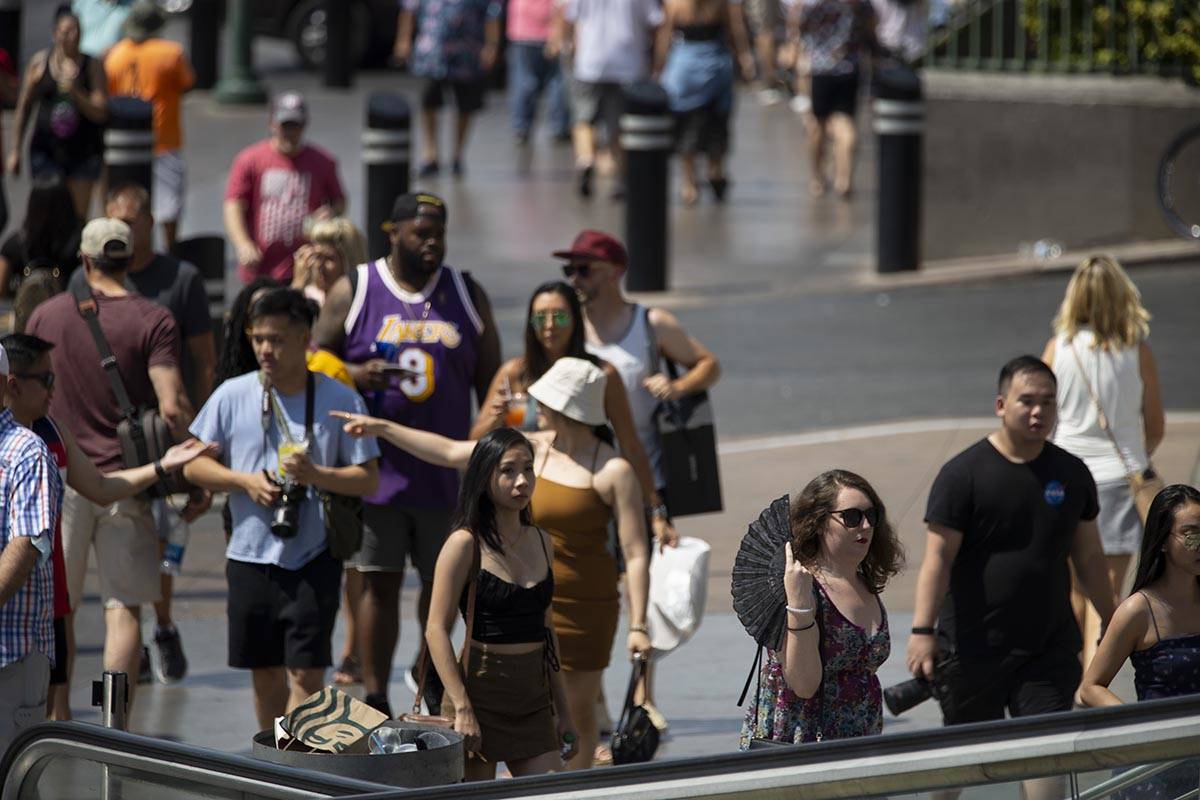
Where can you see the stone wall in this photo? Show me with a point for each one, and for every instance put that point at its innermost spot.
(1011, 159)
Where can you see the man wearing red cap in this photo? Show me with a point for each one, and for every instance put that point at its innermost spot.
(625, 334)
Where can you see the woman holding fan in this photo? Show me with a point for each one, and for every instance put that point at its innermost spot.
(839, 553)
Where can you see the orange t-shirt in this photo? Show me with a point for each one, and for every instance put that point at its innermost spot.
(157, 71)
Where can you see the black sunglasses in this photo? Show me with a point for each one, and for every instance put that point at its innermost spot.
(853, 517)
(46, 379)
(571, 270)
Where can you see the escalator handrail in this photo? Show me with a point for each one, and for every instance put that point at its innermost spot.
(97, 738)
(1088, 726)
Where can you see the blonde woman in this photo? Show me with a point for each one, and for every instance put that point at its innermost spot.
(1099, 345)
(335, 245)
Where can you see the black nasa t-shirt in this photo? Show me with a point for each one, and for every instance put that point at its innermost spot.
(1010, 584)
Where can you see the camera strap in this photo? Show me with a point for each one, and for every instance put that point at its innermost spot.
(271, 403)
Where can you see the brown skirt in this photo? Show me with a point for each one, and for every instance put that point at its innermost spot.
(511, 697)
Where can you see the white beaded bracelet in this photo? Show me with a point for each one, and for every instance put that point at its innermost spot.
(795, 610)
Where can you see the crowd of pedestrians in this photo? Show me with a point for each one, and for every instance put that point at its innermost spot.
(344, 377)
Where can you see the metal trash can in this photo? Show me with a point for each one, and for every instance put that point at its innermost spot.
(440, 764)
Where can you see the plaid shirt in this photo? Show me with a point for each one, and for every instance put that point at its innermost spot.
(31, 500)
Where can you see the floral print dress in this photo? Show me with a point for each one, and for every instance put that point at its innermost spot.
(849, 702)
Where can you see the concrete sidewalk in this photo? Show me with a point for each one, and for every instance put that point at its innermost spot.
(697, 686)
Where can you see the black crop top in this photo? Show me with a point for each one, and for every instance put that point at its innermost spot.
(506, 613)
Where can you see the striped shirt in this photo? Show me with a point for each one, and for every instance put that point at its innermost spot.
(31, 499)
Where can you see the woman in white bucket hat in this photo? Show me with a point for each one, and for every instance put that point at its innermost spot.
(581, 485)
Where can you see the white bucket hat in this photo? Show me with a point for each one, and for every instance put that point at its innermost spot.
(574, 388)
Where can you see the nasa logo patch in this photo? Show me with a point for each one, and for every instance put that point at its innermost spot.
(1055, 493)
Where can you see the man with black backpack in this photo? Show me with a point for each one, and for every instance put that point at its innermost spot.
(144, 344)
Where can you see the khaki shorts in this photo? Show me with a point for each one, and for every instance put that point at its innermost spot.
(126, 544)
(23, 686)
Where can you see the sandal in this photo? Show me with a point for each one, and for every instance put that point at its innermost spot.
(349, 672)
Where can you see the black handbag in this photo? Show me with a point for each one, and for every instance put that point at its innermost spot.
(635, 739)
(688, 440)
(689, 453)
(142, 432)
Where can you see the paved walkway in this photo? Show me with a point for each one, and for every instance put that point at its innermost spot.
(698, 686)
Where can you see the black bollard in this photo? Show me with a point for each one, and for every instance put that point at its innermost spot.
(204, 41)
(10, 31)
(899, 115)
(337, 66)
(129, 142)
(386, 159)
(647, 137)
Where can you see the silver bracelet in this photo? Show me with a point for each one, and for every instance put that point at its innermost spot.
(795, 610)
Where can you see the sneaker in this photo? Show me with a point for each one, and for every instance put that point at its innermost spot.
(585, 180)
(144, 673)
(167, 660)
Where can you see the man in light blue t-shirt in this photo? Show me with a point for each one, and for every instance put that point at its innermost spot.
(283, 584)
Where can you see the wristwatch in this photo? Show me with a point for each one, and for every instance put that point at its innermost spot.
(659, 511)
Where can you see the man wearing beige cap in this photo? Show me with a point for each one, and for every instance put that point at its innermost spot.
(143, 337)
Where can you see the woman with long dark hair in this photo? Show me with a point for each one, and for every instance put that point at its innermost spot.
(47, 239)
(822, 684)
(66, 93)
(1158, 625)
(582, 485)
(506, 703)
(555, 330)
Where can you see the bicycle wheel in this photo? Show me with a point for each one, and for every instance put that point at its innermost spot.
(1179, 183)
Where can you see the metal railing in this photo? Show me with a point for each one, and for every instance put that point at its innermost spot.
(1066, 36)
(1097, 740)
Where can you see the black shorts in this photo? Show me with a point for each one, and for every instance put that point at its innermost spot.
(981, 689)
(58, 673)
(280, 617)
(834, 94)
(468, 95)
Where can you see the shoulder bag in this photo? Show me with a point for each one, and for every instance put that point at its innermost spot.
(635, 739)
(688, 439)
(142, 432)
(425, 659)
(1144, 485)
(343, 513)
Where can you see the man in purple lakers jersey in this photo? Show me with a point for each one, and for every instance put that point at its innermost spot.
(417, 336)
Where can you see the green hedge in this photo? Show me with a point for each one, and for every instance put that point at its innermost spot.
(1165, 35)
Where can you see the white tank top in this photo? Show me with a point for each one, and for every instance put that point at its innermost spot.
(1117, 381)
(635, 357)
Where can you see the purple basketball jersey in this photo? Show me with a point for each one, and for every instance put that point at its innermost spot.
(435, 334)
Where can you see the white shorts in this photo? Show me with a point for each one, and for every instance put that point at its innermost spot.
(126, 549)
(170, 185)
(23, 686)
(1119, 523)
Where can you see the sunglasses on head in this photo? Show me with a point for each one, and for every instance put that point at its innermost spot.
(561, 319)
(853, 517)
(581, 269)
(46, 379)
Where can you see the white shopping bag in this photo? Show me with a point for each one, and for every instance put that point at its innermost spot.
(678, 589)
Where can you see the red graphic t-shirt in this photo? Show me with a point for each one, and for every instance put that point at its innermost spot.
(279, 191)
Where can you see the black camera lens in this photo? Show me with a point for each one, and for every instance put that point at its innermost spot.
(903, 696)
(285, 522)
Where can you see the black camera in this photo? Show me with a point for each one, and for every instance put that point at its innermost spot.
(285, 522)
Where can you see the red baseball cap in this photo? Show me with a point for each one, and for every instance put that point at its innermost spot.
(595, 246)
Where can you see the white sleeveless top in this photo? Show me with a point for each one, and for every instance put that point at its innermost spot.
(1116, 378)
(631, 358)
